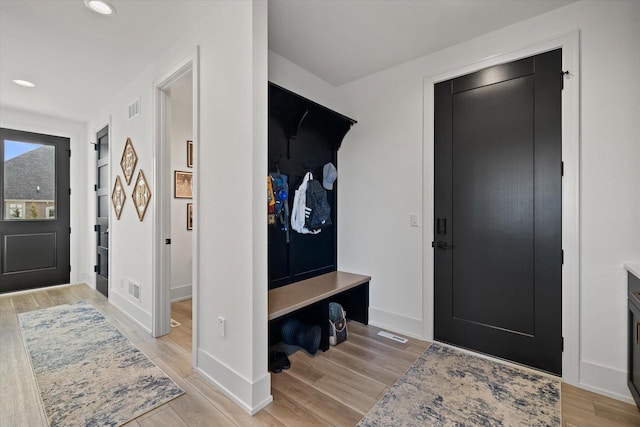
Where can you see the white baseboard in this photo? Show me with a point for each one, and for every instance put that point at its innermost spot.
(181, 293)
(133, 311)
(604, 380)
(88, 279)
(250, 396)
(396, 323)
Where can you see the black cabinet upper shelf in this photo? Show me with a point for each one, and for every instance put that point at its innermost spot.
(293, 109)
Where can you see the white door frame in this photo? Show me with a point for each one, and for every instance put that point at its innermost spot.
(570, 190)
(162, 176)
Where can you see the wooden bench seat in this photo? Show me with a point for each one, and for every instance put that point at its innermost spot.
(308, 301)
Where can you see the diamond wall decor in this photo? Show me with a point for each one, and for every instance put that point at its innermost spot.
(118, 197)
(141, 195)
(128, 161)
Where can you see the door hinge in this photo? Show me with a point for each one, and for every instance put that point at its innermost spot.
(562, 345)
(69, 191)
(95, 268)
(96, 227)
(95, 187)
(562, 256)
(69, 153)
(69, 230)
(69, 269)
(561, 168)
(562, 74)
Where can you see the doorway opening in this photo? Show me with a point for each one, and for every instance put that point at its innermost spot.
(181, 265)
(569, 44)
(175, 238)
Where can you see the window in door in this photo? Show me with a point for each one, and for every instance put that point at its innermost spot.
(29, 181)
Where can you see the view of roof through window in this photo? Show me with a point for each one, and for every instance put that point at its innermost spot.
(15, 148)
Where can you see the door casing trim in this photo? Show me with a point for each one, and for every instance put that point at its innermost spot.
(570, 44)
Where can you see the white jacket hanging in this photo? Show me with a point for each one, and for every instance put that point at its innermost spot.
(299, 207)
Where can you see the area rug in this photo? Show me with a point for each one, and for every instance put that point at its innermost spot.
(446, 387)
(88, 373)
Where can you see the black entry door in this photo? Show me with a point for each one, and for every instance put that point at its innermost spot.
(498, 235)
(102, 212)
(34, 225)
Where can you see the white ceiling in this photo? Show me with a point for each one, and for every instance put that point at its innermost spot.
(342, 41)
(78, 58)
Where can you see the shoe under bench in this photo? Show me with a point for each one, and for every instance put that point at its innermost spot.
(308, 301)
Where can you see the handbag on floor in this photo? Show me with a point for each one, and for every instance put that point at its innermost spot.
(337, 324)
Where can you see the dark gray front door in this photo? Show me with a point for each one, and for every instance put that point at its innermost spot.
(102, 209)
(34, 225)
(498, 235)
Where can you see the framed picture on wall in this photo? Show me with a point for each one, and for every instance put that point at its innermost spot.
(189, 216)
(189, 154)
(128, 161)
(118, 197)
(141, 195)
(182, 185)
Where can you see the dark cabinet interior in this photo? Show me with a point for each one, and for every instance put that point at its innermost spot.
(303, 137)
(634, 337)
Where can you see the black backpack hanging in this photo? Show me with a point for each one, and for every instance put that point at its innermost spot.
(318, 211)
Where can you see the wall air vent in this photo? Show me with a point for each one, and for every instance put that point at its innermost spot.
(134, 289)
(134, 108)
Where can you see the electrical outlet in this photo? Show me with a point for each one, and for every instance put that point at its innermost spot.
(221, 325)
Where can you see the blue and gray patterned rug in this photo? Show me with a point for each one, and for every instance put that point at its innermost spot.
(88, 373)
(446, 387)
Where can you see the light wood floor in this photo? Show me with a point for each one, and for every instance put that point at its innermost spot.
(333, 388)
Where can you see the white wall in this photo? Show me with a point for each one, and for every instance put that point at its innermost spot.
(291, 76)
(181, 238)
(82, 177)
(381, 159)
(231, 154)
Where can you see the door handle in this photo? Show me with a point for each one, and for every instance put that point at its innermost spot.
(441, 245)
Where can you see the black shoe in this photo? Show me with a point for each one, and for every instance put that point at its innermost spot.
(278, 361)
(283, 359)
(275, 365)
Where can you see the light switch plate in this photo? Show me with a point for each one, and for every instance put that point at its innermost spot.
(413, 219)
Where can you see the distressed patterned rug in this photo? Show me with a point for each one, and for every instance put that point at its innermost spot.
(88, 373)
(446, 387)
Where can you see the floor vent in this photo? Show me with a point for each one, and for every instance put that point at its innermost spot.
(392, 336)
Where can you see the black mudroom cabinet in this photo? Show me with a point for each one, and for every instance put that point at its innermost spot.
(303, 137)
(633, 376)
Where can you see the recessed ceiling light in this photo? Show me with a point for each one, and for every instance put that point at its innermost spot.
(99, 6)
(24, 83)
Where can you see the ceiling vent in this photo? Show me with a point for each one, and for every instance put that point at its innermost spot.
(134, 108)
